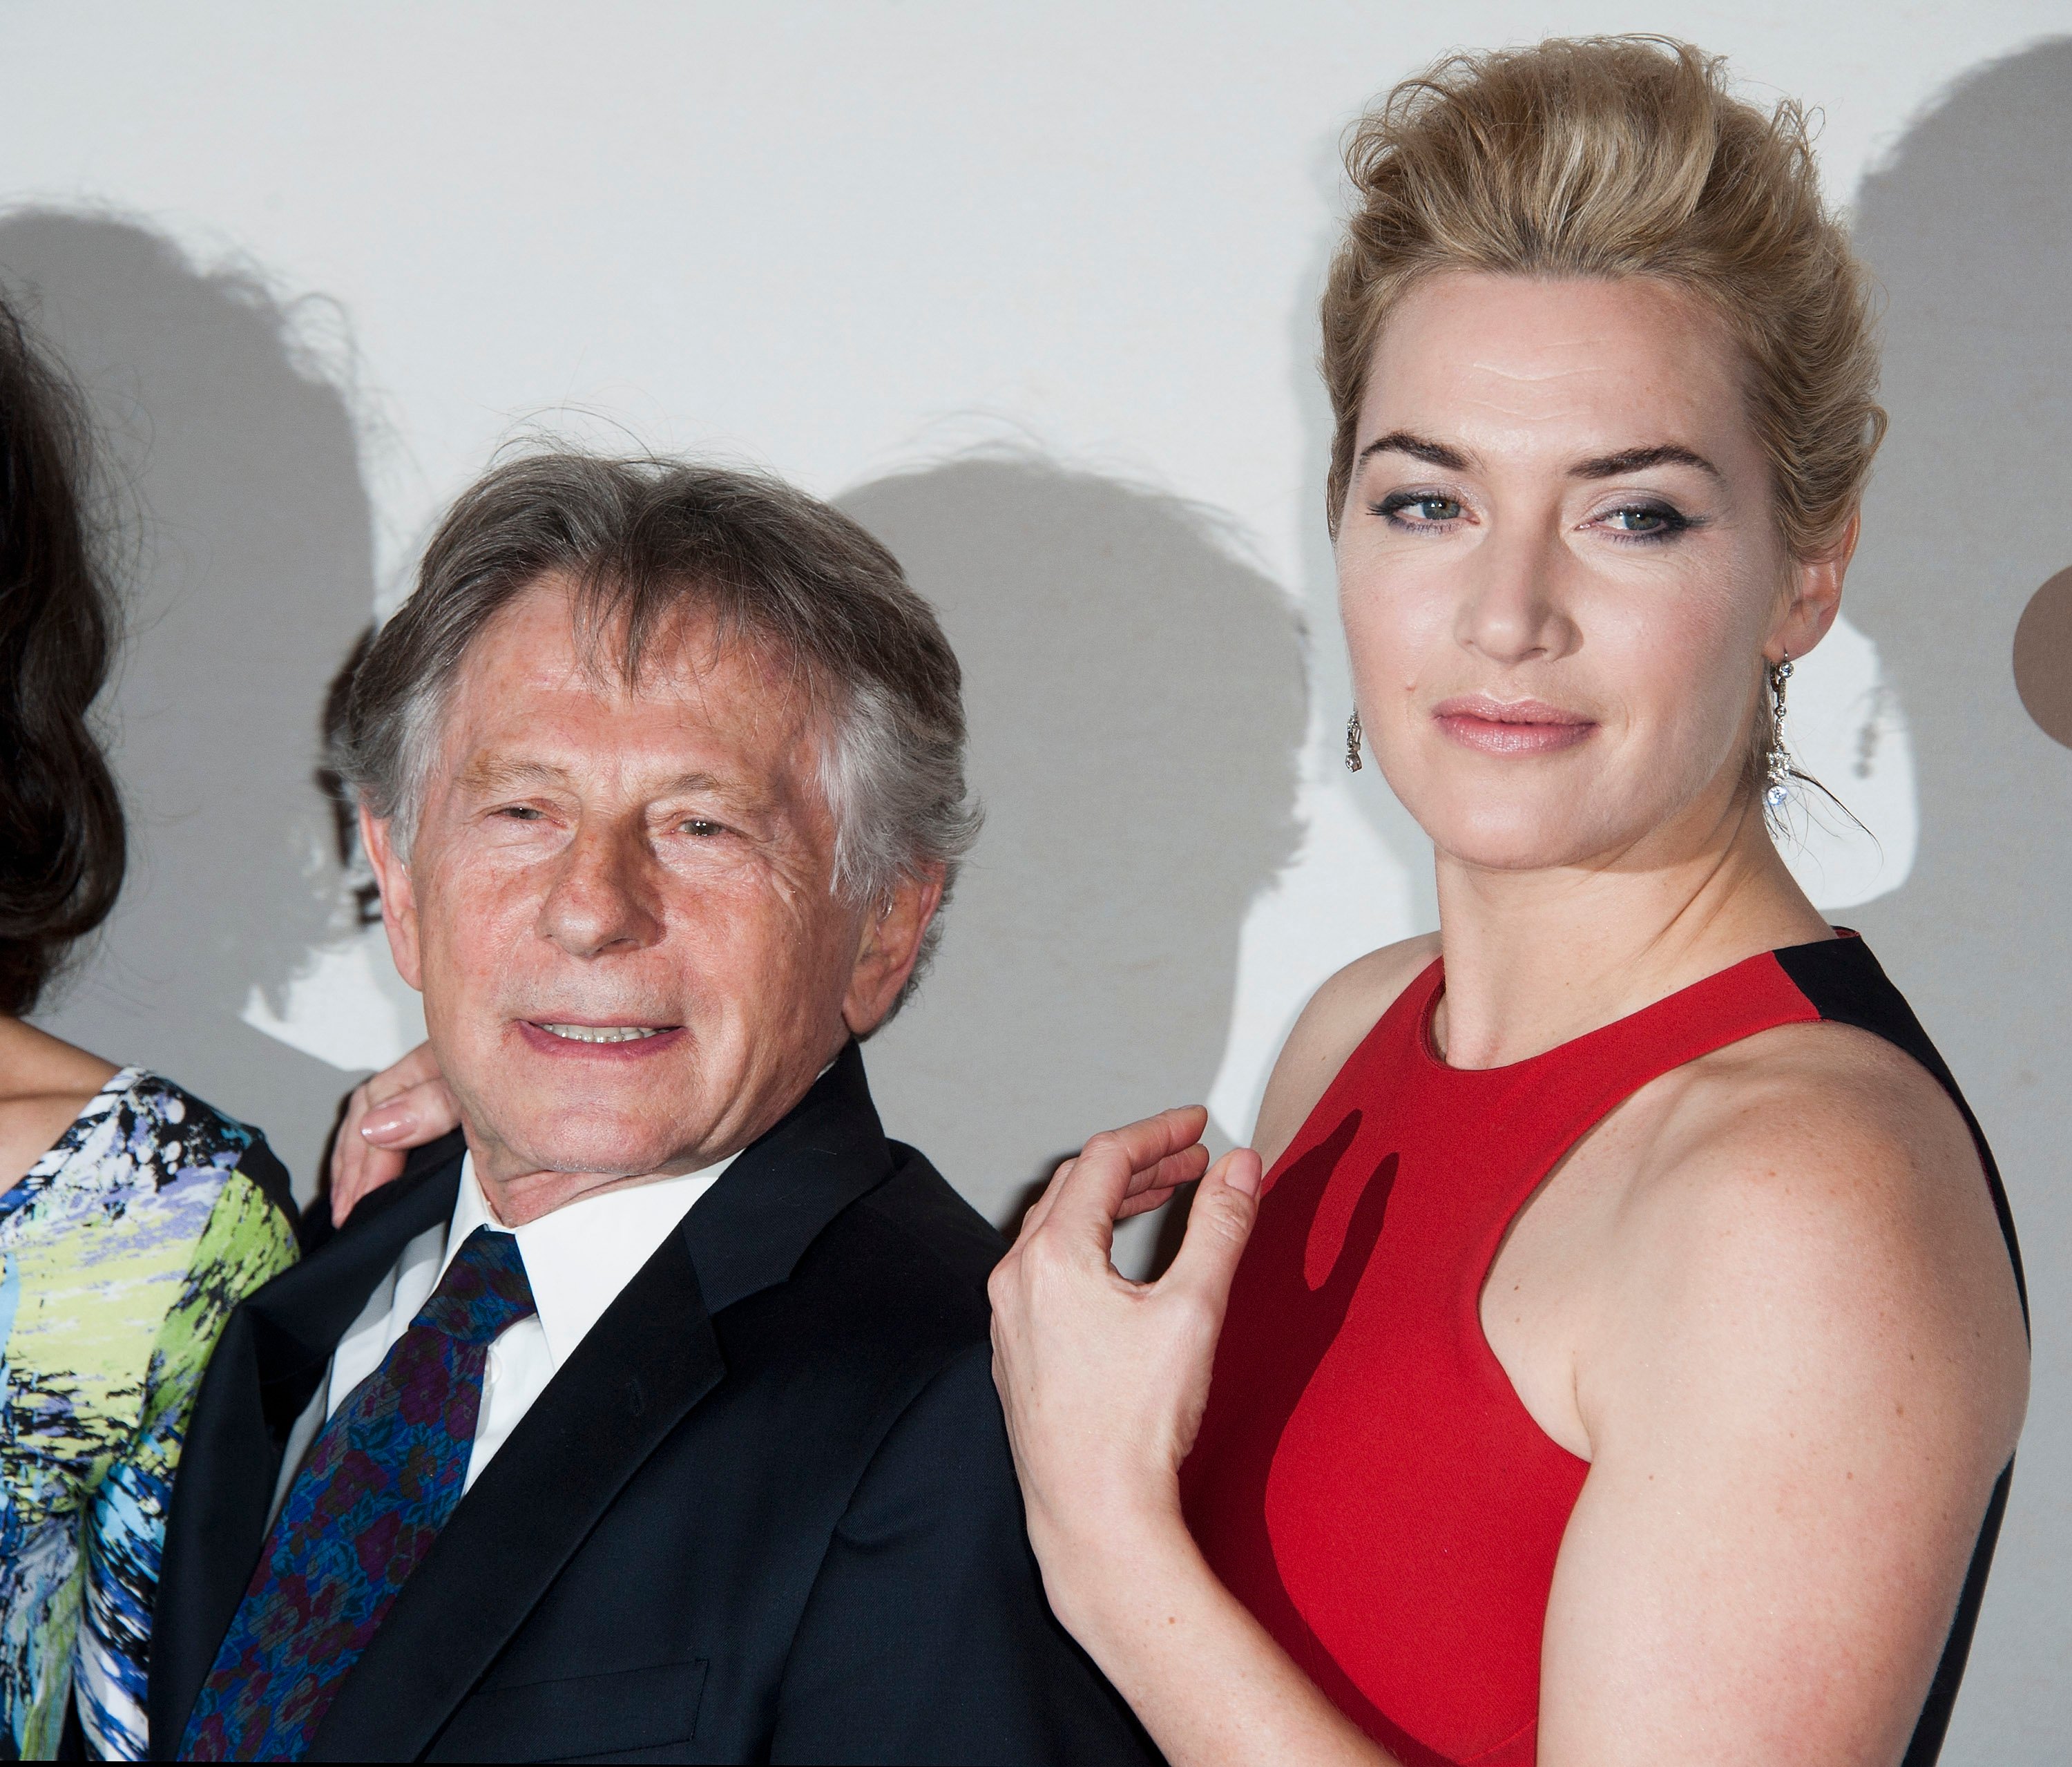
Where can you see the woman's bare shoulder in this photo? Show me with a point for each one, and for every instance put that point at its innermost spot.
(1339, 1014)
(1819, 1176)
(44, 1085)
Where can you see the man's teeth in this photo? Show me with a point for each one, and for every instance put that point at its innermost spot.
(602, 1033)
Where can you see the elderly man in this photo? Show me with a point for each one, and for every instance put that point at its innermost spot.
(649, 1415)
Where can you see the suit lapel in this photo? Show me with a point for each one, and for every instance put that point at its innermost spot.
(643, 1367)
(266, 1368)
(750, 1230)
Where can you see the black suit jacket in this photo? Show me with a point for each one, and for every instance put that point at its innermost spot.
(766, 1511)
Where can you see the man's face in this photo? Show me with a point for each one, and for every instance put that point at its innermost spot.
(620, 907)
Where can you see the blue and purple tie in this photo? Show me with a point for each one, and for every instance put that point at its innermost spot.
(377, 1487)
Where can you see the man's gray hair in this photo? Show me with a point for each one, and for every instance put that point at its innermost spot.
(647, 542)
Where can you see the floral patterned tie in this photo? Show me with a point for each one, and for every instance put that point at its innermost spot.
(379, 1484)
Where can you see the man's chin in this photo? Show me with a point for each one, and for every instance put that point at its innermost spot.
(593, 1146)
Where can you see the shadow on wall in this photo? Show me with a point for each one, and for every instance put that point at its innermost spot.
(256, 575)
(1135, 700)
(1969, 226)
(1368, 789)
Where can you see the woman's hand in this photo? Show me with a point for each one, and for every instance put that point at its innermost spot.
(1104, 1380)
(402, 1107)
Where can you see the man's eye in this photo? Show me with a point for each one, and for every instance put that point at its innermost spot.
(699, 826)
(519, 812)
(1413, 507)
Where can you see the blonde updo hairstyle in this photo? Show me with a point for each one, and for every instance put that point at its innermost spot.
(1609, 157)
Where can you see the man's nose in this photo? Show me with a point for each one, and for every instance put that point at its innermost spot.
(1515, 608)
(602, 899)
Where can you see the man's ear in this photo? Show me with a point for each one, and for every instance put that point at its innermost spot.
(888, 948)
(399, 903)
(1816, 597)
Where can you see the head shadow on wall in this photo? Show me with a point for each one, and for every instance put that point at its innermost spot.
(238, 463)
(1968, 226)
(1136, 700)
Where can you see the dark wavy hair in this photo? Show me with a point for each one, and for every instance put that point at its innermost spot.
(62, 847)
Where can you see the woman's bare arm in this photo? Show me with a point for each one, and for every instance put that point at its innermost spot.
(1102, 1382)
(1811, 1370)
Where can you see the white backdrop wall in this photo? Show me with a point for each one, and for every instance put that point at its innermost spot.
(1031, 292)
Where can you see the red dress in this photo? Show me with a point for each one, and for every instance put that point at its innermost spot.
(1365, 1481)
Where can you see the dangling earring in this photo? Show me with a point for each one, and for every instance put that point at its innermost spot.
(1353, 743)
(1777, 764)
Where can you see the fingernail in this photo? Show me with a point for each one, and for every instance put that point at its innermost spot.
(379, 1124)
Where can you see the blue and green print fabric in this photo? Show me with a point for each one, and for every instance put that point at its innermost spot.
(123, 1251)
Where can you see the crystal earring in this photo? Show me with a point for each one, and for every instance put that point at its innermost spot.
(1353, 743)
(1777, 764)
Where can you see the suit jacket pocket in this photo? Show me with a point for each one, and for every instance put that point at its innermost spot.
(609, 1714)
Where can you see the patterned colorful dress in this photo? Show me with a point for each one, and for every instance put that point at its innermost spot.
(122, 1252)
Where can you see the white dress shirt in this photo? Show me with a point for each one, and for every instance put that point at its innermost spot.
(576, 1258)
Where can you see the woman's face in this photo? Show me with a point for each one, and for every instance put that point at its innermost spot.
(1559, 568)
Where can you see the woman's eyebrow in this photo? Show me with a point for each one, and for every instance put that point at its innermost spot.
(1418, 447)
(1602, 466)
(1610, 466)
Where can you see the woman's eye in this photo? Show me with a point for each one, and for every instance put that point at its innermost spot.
(1645, 521)
(1413, 507)
(519, 812)
(699, 826)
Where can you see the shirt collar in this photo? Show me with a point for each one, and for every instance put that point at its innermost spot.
(579, 1257)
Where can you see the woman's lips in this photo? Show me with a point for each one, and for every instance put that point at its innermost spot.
(1515, 726)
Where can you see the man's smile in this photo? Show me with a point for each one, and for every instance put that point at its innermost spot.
(570, 1037)
(604, 1033)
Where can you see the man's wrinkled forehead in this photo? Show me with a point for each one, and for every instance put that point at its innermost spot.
(538, 702)
(615, 640)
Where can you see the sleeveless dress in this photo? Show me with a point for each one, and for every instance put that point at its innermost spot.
(123, 1251)
(1365, 1481)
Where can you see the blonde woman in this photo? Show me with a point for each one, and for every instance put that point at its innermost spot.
(1620, 1356)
